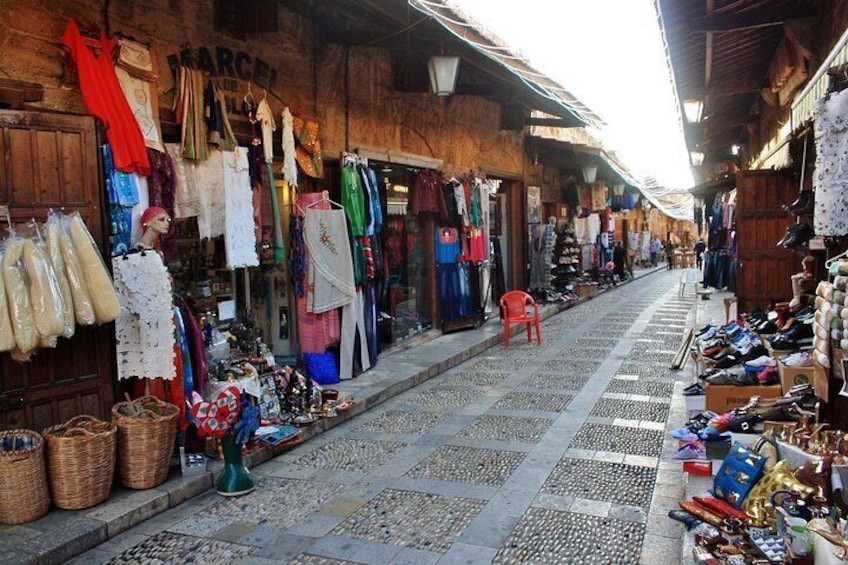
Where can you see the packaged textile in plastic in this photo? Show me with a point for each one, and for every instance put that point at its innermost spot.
(54, 252)
(20, 307)
(44, 294)
(7, 334)
(104, 299)
(83, 309)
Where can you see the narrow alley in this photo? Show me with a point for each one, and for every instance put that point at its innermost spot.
(551, 454)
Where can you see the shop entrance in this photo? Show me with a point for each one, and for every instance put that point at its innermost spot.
(406, 300)
(765, 270)
(50, 161)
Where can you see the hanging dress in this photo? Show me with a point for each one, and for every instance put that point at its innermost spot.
(105, 99)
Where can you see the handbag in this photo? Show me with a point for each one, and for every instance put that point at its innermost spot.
(322, 367)
(740, 471)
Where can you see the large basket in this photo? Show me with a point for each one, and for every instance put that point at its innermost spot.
(147, 429)
(23, 478)
(81, 461)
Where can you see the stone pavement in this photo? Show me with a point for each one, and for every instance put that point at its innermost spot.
(527, 454)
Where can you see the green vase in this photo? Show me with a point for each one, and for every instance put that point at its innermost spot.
(235, 480)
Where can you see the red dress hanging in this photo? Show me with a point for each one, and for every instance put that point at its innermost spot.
(104, 98)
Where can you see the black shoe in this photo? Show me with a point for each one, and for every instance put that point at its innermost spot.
(798, 237)
(803, 205)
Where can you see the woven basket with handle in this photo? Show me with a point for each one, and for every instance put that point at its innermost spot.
(147, 429)
(23, 477)
(81, 461)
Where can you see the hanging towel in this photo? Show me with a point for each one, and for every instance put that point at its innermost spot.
(331, 281)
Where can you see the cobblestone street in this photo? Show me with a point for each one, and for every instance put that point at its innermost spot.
(551, 454)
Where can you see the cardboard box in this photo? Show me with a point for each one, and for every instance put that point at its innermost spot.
(721, 398)
(586, 290)
(791, 376)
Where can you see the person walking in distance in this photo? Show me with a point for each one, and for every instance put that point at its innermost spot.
(700, 247)
(655, 250)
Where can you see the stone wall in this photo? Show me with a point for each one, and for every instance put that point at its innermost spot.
(364, 110)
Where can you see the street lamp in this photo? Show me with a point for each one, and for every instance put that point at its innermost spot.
(694, 110)
(697, 158)
(590, 171)
(443, 70)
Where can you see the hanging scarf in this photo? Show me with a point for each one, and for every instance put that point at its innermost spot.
(289, 156)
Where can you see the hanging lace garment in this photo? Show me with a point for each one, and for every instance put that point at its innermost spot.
(830, 180)
(289, 158)
(187, 197)
(144, 330)
(210, 180)
(239, 234)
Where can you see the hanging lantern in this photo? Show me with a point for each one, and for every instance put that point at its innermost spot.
(693, 110)
(590, 172)
(443, 70)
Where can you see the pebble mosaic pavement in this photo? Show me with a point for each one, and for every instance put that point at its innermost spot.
(524, 455)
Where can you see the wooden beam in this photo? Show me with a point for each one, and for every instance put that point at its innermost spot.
(729, 88)
(552, 122)
(751, 20)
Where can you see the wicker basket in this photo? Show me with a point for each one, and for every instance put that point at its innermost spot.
(23, 478)
(81, 461)
(147, 430)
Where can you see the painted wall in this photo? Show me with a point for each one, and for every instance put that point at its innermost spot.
(362, 110)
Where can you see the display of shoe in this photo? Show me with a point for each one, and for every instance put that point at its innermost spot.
(746, 379)
(696, 389)
(803, 205)
(759, 363)
(798, 359)
(798, 236)
(691, 450)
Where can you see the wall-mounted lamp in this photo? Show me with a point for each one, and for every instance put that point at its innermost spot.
(697, 158)
(590, 172)
(693, 110)
(443, 70)
(735, 148)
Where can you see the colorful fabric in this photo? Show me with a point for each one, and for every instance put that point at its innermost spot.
(104, 98)
(353, 200)
(162, 189)
(297, 255)
(189, 112)
(331, 277)
(427, 194)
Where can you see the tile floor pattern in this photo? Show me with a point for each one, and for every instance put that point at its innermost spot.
(521, 455)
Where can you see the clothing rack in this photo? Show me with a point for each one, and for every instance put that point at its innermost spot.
(353, 159)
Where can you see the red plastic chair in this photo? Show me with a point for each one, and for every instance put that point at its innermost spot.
(515, 307)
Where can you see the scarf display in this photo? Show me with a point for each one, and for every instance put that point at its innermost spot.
(330, 274)
(189, 109)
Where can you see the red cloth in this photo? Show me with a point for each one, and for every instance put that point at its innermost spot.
(104, 98)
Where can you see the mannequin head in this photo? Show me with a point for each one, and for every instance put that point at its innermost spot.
(155, 222)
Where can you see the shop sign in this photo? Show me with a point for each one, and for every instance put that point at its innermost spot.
(232, 68)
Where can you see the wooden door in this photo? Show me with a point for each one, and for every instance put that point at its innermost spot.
(764, 269)
(51, 161)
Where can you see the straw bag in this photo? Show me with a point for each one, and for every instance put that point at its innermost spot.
(147, 429)
(23, 478)
(81, 461)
